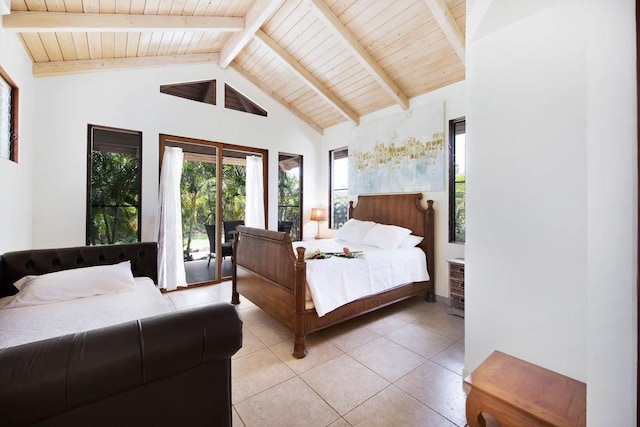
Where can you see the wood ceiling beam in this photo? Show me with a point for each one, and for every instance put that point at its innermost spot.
(447, 22)
(47, 69)
(277, 98)
(43, 22)
(256, 17)
(307, 77)
(360, 53)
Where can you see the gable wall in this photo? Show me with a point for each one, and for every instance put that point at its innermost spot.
(132, 100)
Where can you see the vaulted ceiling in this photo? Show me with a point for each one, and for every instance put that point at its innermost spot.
(327, 61)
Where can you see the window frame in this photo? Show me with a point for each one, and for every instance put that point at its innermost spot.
(331, 189)
(454, 126)
(13, 116)
(90, 150)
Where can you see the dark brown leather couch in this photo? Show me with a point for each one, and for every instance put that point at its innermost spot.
(168, 370)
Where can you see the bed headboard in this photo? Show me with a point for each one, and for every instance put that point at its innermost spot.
(405, 210)
(14, 265)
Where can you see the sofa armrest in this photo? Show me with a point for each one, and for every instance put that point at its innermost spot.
(44, 379)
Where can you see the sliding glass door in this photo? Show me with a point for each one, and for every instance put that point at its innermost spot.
(213, 198)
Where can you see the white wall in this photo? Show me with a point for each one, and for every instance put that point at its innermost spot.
(339, 135)
(132, 100)
(551, 208)
(16, 178)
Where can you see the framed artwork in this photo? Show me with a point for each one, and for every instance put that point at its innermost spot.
(400, 153)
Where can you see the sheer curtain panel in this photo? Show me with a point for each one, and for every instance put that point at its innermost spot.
(254, 209)
(171, 273)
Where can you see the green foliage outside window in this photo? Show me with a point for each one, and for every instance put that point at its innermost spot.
(115, 200)
(289, 201)
(340, 208)
(198, 193)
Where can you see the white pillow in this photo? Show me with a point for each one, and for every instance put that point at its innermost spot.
(354, 230)
(411, 241)
(71, 284)
(385, 236)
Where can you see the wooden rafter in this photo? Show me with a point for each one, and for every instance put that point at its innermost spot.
(276, 97)
(447, 22)
(309, 79)
(45, 69)
(256, 17)
(43, 22)
(355, 48)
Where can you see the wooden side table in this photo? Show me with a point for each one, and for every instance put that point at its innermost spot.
(519, 393)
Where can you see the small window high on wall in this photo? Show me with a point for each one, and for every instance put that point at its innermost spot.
(8, 117)
(114, 173)
(339, 187)
(457, 180)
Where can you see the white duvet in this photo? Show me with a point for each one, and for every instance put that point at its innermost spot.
(336, 281)
(21, 325)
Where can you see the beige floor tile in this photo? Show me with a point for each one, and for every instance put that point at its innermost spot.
(419, 340)
(415, 308)
(236, 421)
(452, 358)
(394, 407)
(348, 336)
(382, 325)
(344, 383)
(291, 403)
(386, 358)
(220, 291)
(341, 422)
(191, 298)
(444, 324)
(168, 300)
(271, 332)
(253, 316)
(256, 372)
(438, 388)
(250, 344)
(318, 352)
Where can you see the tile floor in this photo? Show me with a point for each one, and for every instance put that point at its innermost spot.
(399, 366)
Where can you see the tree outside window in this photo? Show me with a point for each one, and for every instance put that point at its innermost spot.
(457, 180)
(339, 191)
(114, 183)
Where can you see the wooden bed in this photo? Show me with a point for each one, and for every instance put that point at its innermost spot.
(268, 272)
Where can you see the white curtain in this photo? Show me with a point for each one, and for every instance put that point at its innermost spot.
(254, 209)
(171, 273)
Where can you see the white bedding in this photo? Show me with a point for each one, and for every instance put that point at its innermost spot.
(336, 281)
(21, 325)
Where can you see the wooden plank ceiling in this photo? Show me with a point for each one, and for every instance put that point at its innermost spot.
(327, 61)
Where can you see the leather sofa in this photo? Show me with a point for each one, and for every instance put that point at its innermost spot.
(168, 370)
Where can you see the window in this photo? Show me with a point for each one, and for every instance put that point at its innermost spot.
(457, 180)
(113, 186)
(8, 118)
(290, 194)
(339, 187)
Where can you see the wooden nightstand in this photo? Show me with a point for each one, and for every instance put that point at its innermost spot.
(456, 286)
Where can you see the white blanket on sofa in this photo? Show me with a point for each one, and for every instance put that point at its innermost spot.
(21, 325)
(336, 281)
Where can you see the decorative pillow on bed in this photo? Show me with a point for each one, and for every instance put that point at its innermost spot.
(385, 236)
(71, 284)
(354, 230)
(411, 241)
